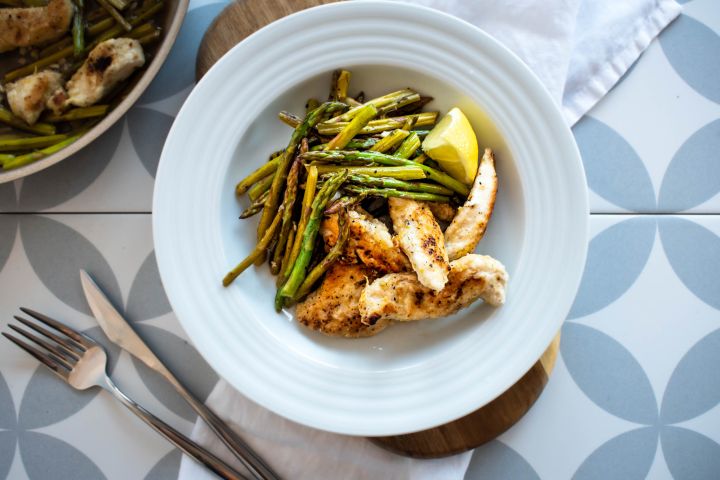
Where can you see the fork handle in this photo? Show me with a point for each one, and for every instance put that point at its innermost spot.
(200, 454)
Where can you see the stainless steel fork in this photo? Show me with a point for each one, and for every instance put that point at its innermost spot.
(82, 363)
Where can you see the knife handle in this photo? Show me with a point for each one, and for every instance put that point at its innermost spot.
(229, 437)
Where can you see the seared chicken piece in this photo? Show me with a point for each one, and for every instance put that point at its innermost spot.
(468, 226)
(23, 27)
(333, 308)
(58, 101)
(369, 241)
(422, 241)
(442, 211)
(108, 64)
(400, 296)
(29, 95)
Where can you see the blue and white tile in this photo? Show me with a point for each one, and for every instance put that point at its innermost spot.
(705, 10)
(632, 395)
(41, 412)
(652, 138)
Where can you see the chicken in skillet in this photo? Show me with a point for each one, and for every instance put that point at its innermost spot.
(29, 96)
(24, 27)
(108, 64)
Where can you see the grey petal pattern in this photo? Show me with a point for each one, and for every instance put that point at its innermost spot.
(58, 266)
(497, 461)
(8, 441)
(616, 257)
(147, 297)
(178, 71)
(7, 197)
(693, 176)
(694, 253)
(690, 455)
(184, 361)
(608, 374)
(688, 46)
(613, 168)
(8, 231)
(694, 388)
(61, 182)
(48, 400)
(46, 457)
(628, 456)
(167, 468)
(148, 130)
(8, 418)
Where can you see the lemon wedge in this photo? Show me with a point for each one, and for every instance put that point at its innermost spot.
(453, 144)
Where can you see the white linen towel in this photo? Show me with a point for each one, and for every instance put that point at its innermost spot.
(578, 49)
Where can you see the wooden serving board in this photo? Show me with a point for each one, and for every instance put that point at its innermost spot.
(482, 425)
(240, 19)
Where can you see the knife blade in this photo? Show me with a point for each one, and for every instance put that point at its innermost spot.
(116, 327)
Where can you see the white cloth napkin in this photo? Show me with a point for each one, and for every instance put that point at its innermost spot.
(578, 49)
(298, 452)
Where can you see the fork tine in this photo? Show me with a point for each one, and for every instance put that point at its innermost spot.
(42, 357)
(58, 356)
(81, 339)
(65, 344)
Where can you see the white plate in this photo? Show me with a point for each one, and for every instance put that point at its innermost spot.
(412, 376)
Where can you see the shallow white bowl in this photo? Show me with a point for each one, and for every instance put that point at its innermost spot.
(412, 376)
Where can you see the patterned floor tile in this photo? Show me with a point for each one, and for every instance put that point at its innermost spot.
(633, 373)
(38, 413)
(651, 146)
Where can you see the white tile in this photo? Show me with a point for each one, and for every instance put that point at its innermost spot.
(656, 118)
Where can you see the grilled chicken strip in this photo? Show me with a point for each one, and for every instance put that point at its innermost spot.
(468, 226)
(108, 64)
(369, 241)
(23, 27)
(400, 296)
(29, 96)
(333, 308)
(422, 241)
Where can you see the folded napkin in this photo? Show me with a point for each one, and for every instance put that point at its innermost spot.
(578, 49)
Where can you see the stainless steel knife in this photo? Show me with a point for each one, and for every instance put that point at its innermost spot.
(119, 331)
